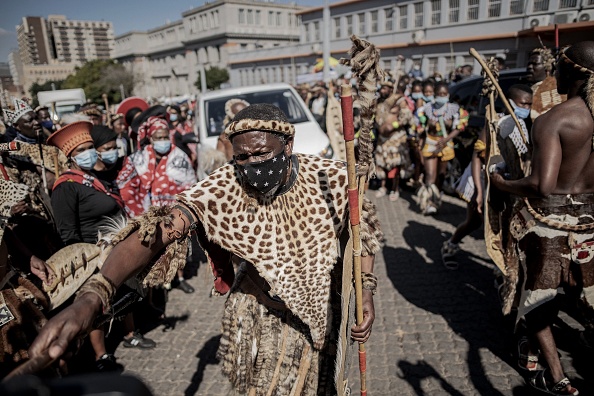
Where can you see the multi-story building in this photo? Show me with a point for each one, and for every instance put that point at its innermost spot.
(51, 49)
(167, 59)
(435, 33)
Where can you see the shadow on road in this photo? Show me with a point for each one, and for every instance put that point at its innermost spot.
(207, 355)
(415, 373)
(466, 299)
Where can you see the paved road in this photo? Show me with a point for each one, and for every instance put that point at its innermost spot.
(437, 332)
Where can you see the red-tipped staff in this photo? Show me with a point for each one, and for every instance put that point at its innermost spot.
(354, 191)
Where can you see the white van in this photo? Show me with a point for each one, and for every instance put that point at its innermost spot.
(63, 101)
(309, 137)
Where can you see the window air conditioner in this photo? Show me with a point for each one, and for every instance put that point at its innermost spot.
(586, 16)
(565, 17)
(537, 20)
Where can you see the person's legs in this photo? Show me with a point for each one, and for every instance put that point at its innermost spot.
(97, 338)
(539, 322)
(472, 222)
(442, 168)
(394, 176)
(430, 171)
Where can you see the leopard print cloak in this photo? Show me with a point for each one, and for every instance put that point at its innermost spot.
(291, 239)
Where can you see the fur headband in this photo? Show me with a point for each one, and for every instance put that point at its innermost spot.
(248, 124)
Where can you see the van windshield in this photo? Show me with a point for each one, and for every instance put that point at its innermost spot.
(282, 98)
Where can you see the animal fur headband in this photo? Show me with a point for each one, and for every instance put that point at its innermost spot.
(584, 70)
(248, 124)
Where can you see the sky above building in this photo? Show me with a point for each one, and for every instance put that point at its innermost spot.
(125, 15)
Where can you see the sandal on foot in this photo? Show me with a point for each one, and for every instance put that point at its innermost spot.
(527, 361)
(540, 383)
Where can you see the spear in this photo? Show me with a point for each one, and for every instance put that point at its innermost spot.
(346, 104)
(364, 63)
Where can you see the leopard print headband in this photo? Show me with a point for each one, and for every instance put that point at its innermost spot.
(248, 124)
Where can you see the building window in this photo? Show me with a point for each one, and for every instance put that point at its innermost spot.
(337, 27)
(389, 16)
(473, 10)
(361, 23)
(567, 3)
(540, 5)
(374, 28)
(258, 20)
(403, 13)
(316, 27)
(418, 14)
(278, 19)
(241, 16)
(250, 17)
(494, 8)
(270, 18)
(349, 20)
(435, 12)
(516, 7)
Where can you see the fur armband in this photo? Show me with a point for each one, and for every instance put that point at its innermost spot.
(100, 286)
(369, 282)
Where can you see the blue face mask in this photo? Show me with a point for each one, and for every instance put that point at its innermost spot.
(442, 99)
(48, 124)
(428, 98)
(109, 157)
(87, 159)
(416, 95)
(162, 146)
(172, 117)
(520, 111)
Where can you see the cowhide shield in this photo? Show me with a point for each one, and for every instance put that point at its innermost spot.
(72, 266)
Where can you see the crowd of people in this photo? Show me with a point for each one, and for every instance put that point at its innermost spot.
(76, 180)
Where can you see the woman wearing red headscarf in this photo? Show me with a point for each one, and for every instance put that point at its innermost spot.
(155, 174)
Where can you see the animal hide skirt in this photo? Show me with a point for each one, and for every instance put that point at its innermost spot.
(266, 350)
(391, 152)
(555, 242)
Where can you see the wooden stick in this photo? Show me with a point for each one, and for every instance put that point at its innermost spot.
(480, 59)
(106, 101)
(346, 104)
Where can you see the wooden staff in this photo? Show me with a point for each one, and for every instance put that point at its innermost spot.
(106, 102)
(480, 59)
(354, 192)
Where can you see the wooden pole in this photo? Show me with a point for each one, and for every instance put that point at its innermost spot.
(346, 103)
(106, 102)
(480, 59)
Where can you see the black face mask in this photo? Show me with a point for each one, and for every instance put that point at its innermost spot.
(266, 175)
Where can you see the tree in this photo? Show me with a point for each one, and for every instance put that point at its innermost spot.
(46, 86)
(101, 76)
(215, 76)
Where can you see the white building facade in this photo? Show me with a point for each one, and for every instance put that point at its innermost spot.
(435, 33)
(166, 61)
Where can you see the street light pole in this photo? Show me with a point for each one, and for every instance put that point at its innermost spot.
(326, 41)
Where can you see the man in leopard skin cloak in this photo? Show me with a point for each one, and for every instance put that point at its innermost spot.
(284, 218)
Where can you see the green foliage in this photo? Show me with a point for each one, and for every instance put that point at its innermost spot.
(101, 76)
(215, 76)
(47, 86)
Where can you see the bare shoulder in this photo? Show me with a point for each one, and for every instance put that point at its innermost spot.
(568, 120)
